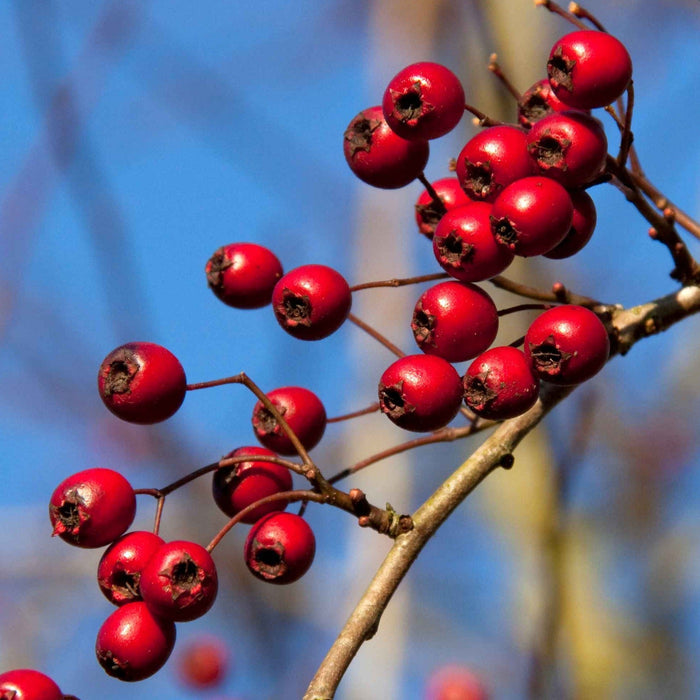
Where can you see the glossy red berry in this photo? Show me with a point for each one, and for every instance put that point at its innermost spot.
(420, 392)
(311, 301)
(234, 488)
(280, 548)
(92, 508)
(179, 582)
(28, 684)
(569, 147)
(423, 101)
(532, 215)
(455, 683)
(455, 321)
(491, 160)
(589, 69)
(142, 383)
(500, 384)
(465, 247)
(133, 643)
(537, 102)
(428, 213)
(567, 345)
(380, 157)
(301, 409)
(243, 275)
(119, 570)
(582, 227)
(204, 661)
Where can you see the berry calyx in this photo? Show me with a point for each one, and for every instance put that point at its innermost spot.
(92, 508)
(280, 548)
(28, 684)
(429, 213)
(311, 301)
(142, 383)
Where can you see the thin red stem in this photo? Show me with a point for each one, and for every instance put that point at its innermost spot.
(400, 282)
(362, 412)
(376, 335)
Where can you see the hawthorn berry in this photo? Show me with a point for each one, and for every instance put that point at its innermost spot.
(567, 345)
(237, 487)
(203, 662)
(465, 247)
(500, 384)
(243, 275)
(582, 227)
(420, 392)
(142, 383)
(455, 321)
(532, 215)
(589, 69)
(119, 570)
(378, 156)
(280, 548)
(28, 684)
(537, 102)
(569, 147)
(455, 683)
(179, 582)
(303, 412)
(423, 101)
(92, 508)
(133, 643)
(429, 213)
(311, 301)
(492, 159)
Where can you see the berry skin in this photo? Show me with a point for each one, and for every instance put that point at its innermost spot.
(378, 156)
(567, 344)
(570, 147)
(491, 160)
(203, 662)
(455, 683)
(589, 69)
(238, 486)
(119, 570)
(92, 508)
(133, 644)
(532, 215)
(179, 582)
(500, 384)
(420, 392)
(465, 247)
(537, 102)
(428, 215)
(455, 321)
(303, 412)
(28, 684)
(311, 301)
(142, 383)
(582, 227)
(243, 275)
(423, 101)
(280, 548)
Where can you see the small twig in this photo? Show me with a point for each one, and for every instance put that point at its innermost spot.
(400, 282)
(376, 335)
(561, 295)
(581, 12)
(524, 307)
(496, 69)
(361, 412)
(438, 205)
(558, 10)
(627, 135)
(482, 119)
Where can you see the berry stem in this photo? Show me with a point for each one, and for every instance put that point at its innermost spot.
(481, 118)
(362, 412)
(524, 307)
(495, 68)
(439, 204)
(627, 136)
(400, 282)
(582, 13)
(540, 295)
(558, 10)
(376, 335)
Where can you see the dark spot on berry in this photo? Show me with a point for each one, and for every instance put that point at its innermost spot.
(534, 107)
(120, 372)
(479, 179)
(422, 325)
(409, 105)
(560, 69)
(359, 134)
(549, 152)
(185, 574)
(113, 667)
(430, 215)
(126, 584)
(265, 423)
(548, 358)
(477, 394)
(268, 559)
(504, 231)
(216, 266)
(295, 309)
(392, 402)
(453, 250)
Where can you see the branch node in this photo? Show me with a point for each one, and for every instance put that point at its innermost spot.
(507, 461)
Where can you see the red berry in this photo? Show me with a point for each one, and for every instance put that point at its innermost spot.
(500, 384)
(243, 275)
(420, 392)
(92, 508)
(455, 321)
(179, 582)
(423, 101)
(28, 684)
(465, 247)
(428, 214)
(455, 683)
(311, 301)
(119, 570)
(538, 102)
(303, 412)
(236, 487)
(569, 147)
(142, 383)
(203, 662)
(492, 159)
(380, 157)
(280, 548)
(582, 227)
(133, 644)
(532, 215)
(567, 345)
(589, 69)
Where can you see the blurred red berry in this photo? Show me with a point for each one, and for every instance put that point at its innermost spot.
(455, 683)
(203, 662)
